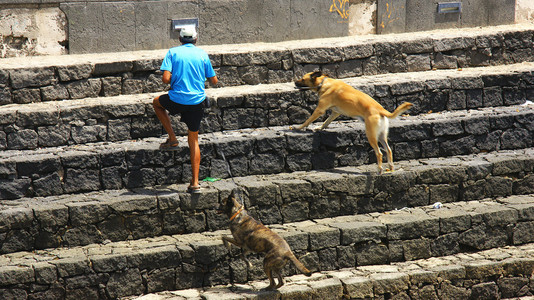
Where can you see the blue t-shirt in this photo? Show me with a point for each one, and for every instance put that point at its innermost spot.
(190, 66)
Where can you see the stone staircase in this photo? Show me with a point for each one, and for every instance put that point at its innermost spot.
(90, 207)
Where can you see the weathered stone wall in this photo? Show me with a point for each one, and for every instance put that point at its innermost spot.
(524, 11)
(32, 31)
(275, 64)
(133, 164)
(132, 117)
(76, 220)
(109, 26)
(396, 16)
(184, 261)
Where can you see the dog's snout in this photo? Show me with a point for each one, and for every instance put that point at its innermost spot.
(299, 83)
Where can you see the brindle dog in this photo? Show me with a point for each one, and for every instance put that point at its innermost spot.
(252, 236)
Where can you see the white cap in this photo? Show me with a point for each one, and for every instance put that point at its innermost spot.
(188, 32)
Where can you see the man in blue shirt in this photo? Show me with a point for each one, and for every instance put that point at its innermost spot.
(186, 68)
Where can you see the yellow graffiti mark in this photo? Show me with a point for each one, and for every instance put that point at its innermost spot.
(387, 15)
(341, 7)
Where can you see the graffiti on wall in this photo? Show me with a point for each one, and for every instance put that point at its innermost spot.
(389, 16)
(341, 7)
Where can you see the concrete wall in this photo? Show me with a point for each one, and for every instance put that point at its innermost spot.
(147, 24)
(28, 31)
(41, 27)
(395, 16)
(524, 12)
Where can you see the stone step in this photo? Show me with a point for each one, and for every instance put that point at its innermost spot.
(269, 150)
(500, 273)
(71, 220)
(118, 118)
(119, 269)
(36, 79)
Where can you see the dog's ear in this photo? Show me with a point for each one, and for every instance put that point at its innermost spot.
(315, 75)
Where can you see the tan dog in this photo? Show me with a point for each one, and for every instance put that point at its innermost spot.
(343, 99)
(251, 235)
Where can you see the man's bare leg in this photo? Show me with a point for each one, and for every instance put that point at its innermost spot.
(194, 150)
(163, 117)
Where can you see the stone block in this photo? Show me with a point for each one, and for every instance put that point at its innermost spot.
(372, 253)
(322, 237)
(14, 189)
(358, 287)
(71, 266)
(164, 256)
(54, 92)
(74, 72)
(124, 283)
(523, 233)
(416, 249)
(395, 182)
(483, 270)
(48, 185)
(87, 213)
(295, 211)
(15, 275)
(262, 193)
(486, 290)
(327, 288)
(15, 218)
(76, 180)
(45, 273)
(51, 216)
(295, 291)
(266, 164)
(482, 237)
(84, 88)
(512, 287)
(53, 136)
(450, 272)
(410, 226)
(357, 232)
(208, 251)
(32, 77)
(390, 282)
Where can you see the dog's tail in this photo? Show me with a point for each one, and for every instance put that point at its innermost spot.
(298, 264)
(399, 110)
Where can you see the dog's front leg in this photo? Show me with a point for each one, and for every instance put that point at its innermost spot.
(319, 111)
(244, 257)
(227, 240)
(332, 117)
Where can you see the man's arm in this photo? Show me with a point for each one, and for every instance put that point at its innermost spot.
(213, 80)
(166, 77)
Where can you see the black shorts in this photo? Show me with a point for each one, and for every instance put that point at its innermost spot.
(191, 115)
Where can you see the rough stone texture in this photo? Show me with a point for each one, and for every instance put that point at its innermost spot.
(150, 266)
(279, 62)
(414, 234)
(251, 108)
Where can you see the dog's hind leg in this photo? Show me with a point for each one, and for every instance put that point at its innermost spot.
(269, 272)
(383, 138)
(280, 278)
(371, 130)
